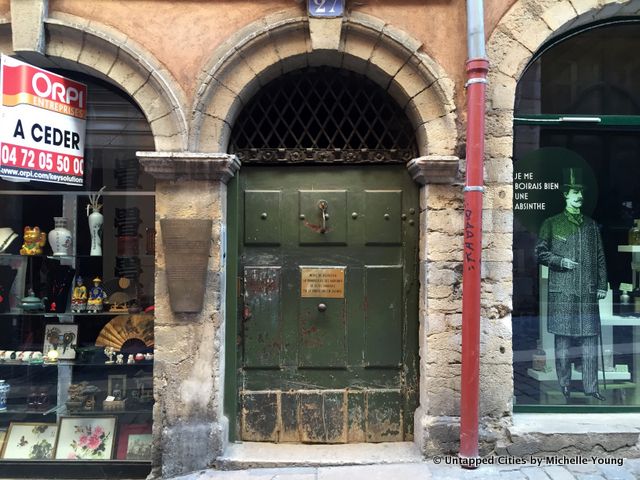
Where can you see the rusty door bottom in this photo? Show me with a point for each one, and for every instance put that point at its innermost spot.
(323, 416)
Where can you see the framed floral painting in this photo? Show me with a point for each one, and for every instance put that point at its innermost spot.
(85, 438)
(30, 441)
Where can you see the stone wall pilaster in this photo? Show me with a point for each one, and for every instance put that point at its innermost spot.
(437, 420)
(190, 429)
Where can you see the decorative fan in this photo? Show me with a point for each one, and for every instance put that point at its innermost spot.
(127, 327)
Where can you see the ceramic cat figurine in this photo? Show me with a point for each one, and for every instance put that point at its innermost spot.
(34, 240)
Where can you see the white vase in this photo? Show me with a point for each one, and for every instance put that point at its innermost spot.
(96, 220)
(60, 238)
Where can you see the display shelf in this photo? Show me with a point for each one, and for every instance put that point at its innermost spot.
(79, 193)
(115, 469)
(71, 257)
(551, 376)
(66, 314)
(143, 363)
(629, 248)
(93, 413)
(13, 410)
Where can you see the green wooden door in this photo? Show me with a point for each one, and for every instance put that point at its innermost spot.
(328, 306)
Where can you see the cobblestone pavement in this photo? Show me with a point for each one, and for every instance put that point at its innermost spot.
(587, 470)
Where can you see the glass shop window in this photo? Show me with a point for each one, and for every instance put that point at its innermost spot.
(576, 265)
(76, 307)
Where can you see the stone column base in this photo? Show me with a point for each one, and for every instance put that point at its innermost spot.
(440, 435)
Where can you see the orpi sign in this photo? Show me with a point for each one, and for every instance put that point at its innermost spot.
(42, 125)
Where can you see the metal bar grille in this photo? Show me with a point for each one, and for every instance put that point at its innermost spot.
(323, 115)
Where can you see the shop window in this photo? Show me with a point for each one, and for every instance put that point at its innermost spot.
(76, 388)
(576, 265)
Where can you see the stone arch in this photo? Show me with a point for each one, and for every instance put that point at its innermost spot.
(280, 43)
(79, 44)
(521, 32)
(518, 36)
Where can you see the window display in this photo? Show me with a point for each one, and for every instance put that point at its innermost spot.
(76, 307)
(576, 330)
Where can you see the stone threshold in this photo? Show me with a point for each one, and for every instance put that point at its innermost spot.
(573, 434)
(246, 455)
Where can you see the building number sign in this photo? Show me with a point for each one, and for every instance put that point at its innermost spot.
(326, 8)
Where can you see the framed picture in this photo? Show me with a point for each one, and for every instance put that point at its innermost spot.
(61, 337)
(85, 438)
(134, 442)
(117, 387)
(29, 441)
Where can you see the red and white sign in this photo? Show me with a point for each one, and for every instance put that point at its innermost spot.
(42, 125)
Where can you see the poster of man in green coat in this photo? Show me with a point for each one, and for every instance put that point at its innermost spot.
(571, 246)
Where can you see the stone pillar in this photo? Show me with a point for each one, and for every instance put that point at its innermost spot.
(437, 421)
(189, 429)
(436, 424)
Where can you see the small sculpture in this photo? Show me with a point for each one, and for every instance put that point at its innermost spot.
(130, 360)
(117, 392)
(96, 296)
(109, 352)
(119, 359)
(79, 296)
(34, 240)
(76, 396)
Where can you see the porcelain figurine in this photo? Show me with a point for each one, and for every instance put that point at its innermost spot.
(34, 240)
(119, 359)
(109, 352)
(79, 296)
(96, 296)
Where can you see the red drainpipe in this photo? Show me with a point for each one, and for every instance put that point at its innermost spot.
(477, 68)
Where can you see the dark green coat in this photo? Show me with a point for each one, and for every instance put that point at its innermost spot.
(573, 294)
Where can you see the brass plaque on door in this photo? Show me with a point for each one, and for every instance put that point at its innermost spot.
(322, 282)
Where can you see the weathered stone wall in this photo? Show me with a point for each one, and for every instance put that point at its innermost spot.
(190, 429)
(189, 358)
(198, 28)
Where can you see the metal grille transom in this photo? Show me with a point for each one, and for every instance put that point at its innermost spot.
(323, 115)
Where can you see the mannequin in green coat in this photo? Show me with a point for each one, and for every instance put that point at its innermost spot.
(570, 245)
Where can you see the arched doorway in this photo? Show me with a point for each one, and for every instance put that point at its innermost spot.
(326, 257)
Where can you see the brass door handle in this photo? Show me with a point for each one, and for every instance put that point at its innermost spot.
(323, 206)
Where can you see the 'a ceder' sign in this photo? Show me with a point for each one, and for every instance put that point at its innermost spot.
(42, 125)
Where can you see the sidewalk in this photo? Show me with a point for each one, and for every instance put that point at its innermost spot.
(629, 470)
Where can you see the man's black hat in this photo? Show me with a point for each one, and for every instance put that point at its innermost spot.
(572, 178)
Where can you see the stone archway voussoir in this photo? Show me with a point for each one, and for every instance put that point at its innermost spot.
(217, 134)
(437, 136)
(502, 90)
(525, 26)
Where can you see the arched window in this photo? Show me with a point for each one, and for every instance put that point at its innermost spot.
(576, 318)
(82, 402)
